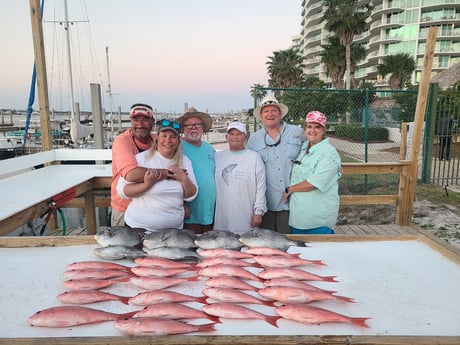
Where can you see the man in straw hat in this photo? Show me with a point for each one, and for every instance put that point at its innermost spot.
(278, 143)
(199, 215)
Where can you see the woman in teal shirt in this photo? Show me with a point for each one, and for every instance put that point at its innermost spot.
(313, 194)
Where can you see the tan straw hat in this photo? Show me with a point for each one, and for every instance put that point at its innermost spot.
(270, 100)
(192, 112)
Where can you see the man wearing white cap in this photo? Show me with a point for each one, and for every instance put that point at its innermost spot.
(240, 183)
(278, 143)
(136, 139)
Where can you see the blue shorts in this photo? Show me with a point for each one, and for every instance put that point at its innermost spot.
(320, 230)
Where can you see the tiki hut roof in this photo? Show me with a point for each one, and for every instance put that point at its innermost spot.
(447, 78)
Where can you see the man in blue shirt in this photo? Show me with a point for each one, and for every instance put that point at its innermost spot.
(278, 143)
(199, 213)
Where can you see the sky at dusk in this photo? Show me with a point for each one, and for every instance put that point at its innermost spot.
(206, 53)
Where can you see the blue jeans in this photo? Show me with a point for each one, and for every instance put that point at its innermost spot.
(320, 230)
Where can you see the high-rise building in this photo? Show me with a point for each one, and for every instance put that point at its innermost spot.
(395, 26)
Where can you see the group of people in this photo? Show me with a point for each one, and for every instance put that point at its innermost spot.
(284, 179)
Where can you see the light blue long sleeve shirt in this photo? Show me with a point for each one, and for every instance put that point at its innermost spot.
(278, 160)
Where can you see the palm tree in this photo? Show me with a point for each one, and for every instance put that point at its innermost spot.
(347, 18)
(257, 92)
(400, 66)
(333, 57)
(285, 68)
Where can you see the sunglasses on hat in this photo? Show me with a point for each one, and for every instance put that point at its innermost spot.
(168, 123)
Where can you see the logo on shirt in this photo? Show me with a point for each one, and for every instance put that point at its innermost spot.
(226, 172)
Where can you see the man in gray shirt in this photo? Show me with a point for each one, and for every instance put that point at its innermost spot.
(278, 143)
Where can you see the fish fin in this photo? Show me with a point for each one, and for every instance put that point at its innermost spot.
(269, 303)
(207, 327)
(318, 262)
(194, 278)
(360, 321)
(330, 279)
(214, 319)
(273, 320)
(346, 299)
(127, 315)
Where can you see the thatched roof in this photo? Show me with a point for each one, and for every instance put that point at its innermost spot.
(447, 78)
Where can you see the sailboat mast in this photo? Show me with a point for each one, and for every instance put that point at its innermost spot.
(109, 90)
(69, 61)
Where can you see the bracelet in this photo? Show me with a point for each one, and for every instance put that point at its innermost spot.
(286, 190)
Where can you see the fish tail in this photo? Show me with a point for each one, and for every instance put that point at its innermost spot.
(360, 321)
(273, 320)
(330, 279)
(202, 299)
(214, 319)
(124, 300)
(346, 299)
(207, 327)
(269, 303)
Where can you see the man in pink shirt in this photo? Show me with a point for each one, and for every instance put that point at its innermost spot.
(136, 139)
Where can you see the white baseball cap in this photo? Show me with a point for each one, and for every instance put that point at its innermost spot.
(237, 125)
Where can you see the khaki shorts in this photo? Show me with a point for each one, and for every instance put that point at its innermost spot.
(117, 218)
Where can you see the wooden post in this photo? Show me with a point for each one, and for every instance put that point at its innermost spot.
(406, 193)
(40, 65)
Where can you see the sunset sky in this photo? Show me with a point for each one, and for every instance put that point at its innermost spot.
(207, 53)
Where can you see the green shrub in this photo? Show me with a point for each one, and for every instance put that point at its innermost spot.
(358, 133)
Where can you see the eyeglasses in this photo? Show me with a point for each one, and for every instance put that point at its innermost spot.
(272, 145)
(194, 125)
(168, 123)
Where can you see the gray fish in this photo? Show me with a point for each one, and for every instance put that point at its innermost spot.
(218, 239)
(181, 238)
(268, 238)
(118, 236)
(174, 253)
(118, 252)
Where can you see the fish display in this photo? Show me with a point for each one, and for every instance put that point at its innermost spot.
(117, 252)
(314, 315)
(157, 326)
(119, 236)
(219, 239)
(236, 311)
(229, 271)
(181, 238)
(90, 296)
(68, 316)
(268, 238)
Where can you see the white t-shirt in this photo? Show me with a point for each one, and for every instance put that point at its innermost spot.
(240, 183)
(162, 206)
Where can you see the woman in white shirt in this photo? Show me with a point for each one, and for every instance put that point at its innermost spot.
(157, 202)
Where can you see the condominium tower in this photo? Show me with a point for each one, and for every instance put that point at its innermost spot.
(396, 26)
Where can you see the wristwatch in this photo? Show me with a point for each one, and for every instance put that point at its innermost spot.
(286, 190)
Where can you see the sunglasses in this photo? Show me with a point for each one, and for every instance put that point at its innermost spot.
(168, 123)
